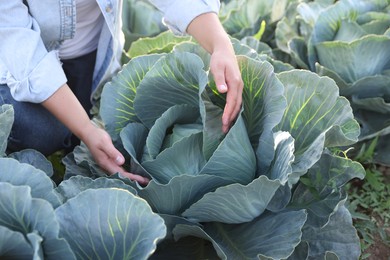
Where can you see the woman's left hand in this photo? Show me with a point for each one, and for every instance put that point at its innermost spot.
(227, 77)
(208, 31)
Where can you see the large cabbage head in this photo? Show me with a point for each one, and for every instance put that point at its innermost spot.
(241, 191)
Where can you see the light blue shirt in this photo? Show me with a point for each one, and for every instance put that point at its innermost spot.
(30, 39)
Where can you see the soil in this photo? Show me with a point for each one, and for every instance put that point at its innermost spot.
(380, 250)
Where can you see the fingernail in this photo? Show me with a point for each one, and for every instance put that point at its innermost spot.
(222, 88)
(119, 159)
(225, 129)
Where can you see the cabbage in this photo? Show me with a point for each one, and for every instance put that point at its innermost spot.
(269, 188)
(348, 41)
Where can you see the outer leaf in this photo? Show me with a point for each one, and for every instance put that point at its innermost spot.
(82, 156)
(111, 224)
(320, 191)
(280, 169)
(315, 116)
(162, 43)
(20, 174)
(339, 236)
(180, 193)
(117, 102)
(328, 22)
(271, 235)
(21, 213)
(354, 61)
(262, 98)
(34, 158)
(75, 168)
(300, 252)
(235, 203)
(281, 199)
(323, 71)
(369, 99)
(175, 79)
(241, 48)
(264, 105)
(194, 48)
(6, 119)
(333, 172)
(134, 137)
(349, 31)
(258, 46)
(14, 245)
(299, 52)
(72, 187)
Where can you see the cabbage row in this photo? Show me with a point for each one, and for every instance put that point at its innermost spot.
(271, 188)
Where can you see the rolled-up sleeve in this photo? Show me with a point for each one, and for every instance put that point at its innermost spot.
(33, 74)
(178, 14)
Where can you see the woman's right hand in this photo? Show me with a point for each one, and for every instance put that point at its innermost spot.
(106, 155)
(97, 140)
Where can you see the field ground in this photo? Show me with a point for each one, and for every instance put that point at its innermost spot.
(371, 199)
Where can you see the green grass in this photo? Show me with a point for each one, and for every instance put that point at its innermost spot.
(369, 203)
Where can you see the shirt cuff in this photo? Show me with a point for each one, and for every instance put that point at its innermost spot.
(178, 16)
(45, 79)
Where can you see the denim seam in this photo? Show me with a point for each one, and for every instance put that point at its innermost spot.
(68, 19)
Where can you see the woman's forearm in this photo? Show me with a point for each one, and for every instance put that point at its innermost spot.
(208, 31)
(64, 105)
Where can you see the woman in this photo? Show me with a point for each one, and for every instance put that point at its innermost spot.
(55, 54)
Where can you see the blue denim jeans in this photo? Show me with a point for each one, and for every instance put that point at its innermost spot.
(34, 127)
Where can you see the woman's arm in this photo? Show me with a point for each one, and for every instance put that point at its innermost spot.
(36, 76)
(208, 31)
(33, 73)
(200, 19)
(64, 105)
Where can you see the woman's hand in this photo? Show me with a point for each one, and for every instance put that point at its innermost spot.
(227, 77)
(106, 155)
(208, 31)
(97, 140)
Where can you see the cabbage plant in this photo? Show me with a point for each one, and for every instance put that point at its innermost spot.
(270, 188)
(79, 219)
(348, 41)
(140, 19)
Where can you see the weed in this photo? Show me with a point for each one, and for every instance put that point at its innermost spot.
(369, 202)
